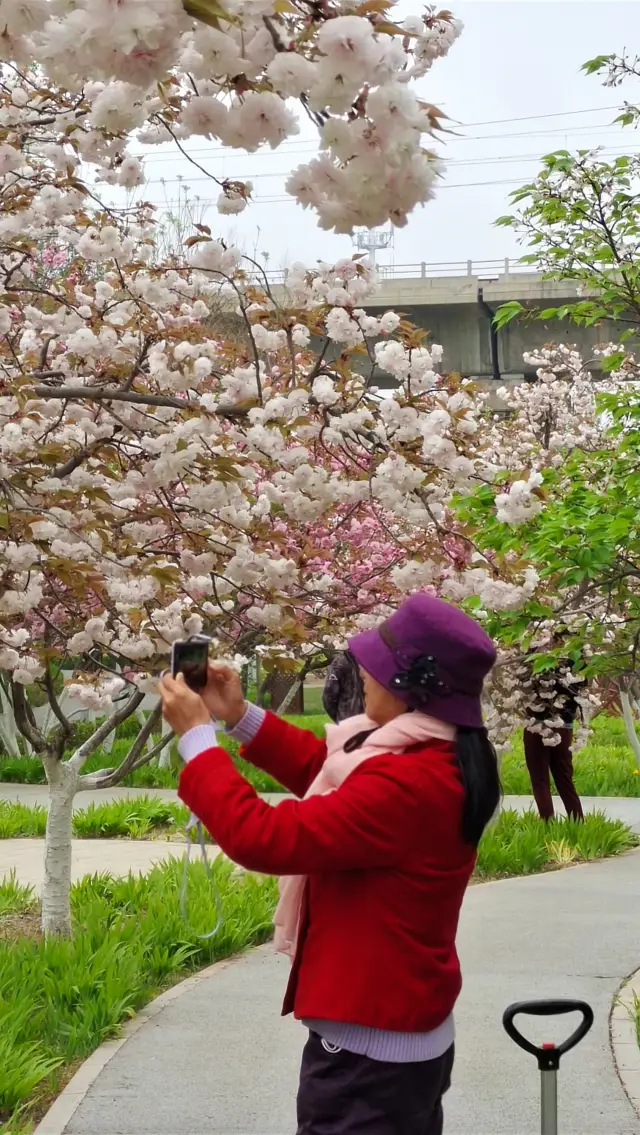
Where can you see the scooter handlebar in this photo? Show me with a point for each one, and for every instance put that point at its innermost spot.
(548, 1057)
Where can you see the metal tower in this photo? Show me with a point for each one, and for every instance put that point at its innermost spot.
(372, 240)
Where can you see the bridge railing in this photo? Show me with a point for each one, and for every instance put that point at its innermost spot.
(482, 269)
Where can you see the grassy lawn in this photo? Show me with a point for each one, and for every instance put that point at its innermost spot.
(29, 770)
(143, 817)
(605, 767)
(313, 701)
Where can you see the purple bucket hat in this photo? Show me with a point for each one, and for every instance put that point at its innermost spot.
(432, 656)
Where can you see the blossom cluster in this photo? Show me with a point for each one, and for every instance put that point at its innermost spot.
(149, 68)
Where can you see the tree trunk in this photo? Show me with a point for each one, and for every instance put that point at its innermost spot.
(294, 692)
(56, 910)
(632, 736)
(164, 760)
(279, 685)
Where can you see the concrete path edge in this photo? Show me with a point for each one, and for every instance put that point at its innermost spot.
(66, 1104)
(624, 1038)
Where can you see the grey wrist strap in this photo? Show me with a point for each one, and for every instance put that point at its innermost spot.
(195, 825)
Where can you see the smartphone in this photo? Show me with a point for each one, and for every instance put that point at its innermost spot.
(190, 657)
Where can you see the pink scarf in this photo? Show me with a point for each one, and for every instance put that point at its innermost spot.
(398, 735)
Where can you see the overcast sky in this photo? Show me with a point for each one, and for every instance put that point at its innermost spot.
(516, 59)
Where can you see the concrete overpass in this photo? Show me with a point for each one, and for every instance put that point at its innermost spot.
(455, 303)
(456, 307)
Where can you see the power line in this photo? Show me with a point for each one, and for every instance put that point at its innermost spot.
(313, 150)
(278, 199)
(308, 148)
(501, 160)
(554, 114)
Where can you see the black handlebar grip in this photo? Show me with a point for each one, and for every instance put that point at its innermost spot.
(548, 1057)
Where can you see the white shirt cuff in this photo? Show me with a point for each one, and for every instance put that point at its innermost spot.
(196, 740)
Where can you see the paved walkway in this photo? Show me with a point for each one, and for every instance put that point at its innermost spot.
(219, 1060)
(25, 857)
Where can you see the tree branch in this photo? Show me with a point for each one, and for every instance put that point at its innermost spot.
(55, 704)
(107, 778)
(112, 722)
(137, 366)
(129, 761)
(24, 719)
(87, 451)
(105, 394)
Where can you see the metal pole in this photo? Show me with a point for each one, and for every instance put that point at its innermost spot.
(549, 1101)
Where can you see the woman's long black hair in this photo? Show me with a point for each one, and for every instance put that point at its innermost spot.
(477, 762)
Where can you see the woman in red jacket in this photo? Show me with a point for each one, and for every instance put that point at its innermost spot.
(375, 855)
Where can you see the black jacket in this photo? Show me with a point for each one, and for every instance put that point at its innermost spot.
(343, 694)
(550, 687)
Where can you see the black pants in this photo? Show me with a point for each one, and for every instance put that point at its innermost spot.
(544, 761)
(342, 1093)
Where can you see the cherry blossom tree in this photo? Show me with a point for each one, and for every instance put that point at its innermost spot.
(568, 452)
(172, 70)
(158, 480)
(567, 507)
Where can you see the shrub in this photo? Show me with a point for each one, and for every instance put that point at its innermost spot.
(15, 897)
(521, 844)
(138, 818)
(20, 821)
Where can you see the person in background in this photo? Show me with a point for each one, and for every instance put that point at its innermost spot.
(343, 694)
(375, 856)
(552, 695)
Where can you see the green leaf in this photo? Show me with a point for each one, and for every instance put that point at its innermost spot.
(598, 63)
(507, 312)
(207, 11)
(627, 118)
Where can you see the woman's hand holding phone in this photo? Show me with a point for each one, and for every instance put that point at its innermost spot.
(182, 707)
(223, 695)
(221, 699)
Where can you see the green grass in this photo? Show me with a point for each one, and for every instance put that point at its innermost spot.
(60, 999)
(313, 701)
(605, 767)
(18, 821)
(142, 817)
(523, 844)
(15, 897)
(29, 770)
